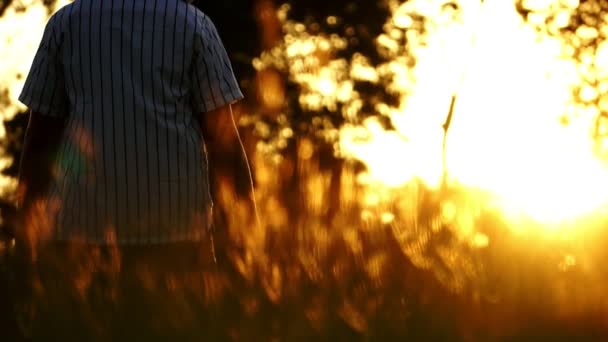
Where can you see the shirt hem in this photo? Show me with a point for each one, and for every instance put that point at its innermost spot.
(40, 108)
(228, 100)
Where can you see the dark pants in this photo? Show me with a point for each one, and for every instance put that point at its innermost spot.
(84, 292)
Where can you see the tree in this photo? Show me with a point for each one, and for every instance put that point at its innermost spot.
(581, 25)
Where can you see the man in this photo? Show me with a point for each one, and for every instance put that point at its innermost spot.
(123, 97)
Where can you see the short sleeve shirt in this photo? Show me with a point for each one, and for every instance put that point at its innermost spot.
(129, 77)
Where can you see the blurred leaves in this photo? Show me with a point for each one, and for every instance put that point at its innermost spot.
(21, 5)
(4, 5)
(328, 58)
(583, 26)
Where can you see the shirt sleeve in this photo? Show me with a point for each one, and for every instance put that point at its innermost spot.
(213, 82)
(44, 90)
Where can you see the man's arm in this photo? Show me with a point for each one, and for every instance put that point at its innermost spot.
(222, 139)
(42, 139)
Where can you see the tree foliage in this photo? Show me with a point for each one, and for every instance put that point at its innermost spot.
(583, 27)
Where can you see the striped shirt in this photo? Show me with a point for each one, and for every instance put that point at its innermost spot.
(129, 76)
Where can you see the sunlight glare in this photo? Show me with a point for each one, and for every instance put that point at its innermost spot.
(506, 137)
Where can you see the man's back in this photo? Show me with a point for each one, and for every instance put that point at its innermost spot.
(129, 75)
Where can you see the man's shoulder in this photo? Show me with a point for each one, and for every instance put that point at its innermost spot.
(62, 12)
(191, 9)
(56, 23)
(61, 16)
(194, 16)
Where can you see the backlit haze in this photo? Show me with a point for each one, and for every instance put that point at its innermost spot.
(510, 210)
(513, 87)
